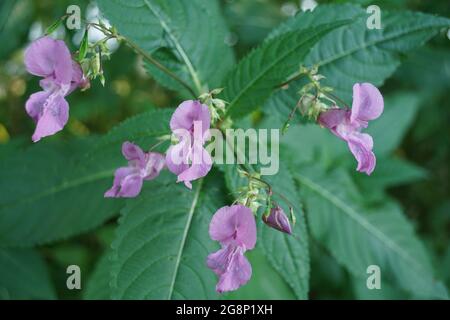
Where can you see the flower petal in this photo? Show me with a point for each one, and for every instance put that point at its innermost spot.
(201, 164)
(35, 104)
(154, 164)
(54, 117)
(234, 224)
(127, 183)
(218, 261)
(238, 272)
(367, 102)
(130, 186)
(78, 79)
(119, 175)
(187, 113)
(132, 152)
(333, 117)
(177, 158)
(47, 57)
(361, 145)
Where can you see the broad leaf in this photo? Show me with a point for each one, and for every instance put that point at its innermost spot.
(398, 116)
(15, 19)
(97, 287)
(359, 237)
(52, 192)
(355, 53)
(266, 283)
(257, 75)
(392, 172)
(24, 275)
(162, 242)
(189, 37)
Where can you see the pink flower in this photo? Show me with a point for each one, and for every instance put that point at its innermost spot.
(141, 166)
(188, 159)
(235, 228)
(347, 124)
(51, 59)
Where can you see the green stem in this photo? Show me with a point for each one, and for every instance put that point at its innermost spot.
(146, 56)
(296, 77)
(177, 45)
(336, 98)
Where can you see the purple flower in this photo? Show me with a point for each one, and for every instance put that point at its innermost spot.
(235, 228)
(188, 159)
(141, 166)
(277, 219)
(51, 59)
(347, 124)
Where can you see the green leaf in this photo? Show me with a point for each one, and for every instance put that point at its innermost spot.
(24, 275)
(15, 19)
(6, 8)
(359, 237)
(97, 287)
(288, 254)
(256, 76)
(83, 46)
(388, 130)
(265, 284)
(193, 31)
(55, 25)
(162, 241)
(354, 53)
(51, 192)
(386, 292)
(392, 172)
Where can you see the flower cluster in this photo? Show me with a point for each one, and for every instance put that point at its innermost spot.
(234, 227)
(187, 159)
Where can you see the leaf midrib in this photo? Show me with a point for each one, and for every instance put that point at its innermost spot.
(178, 46)
(350, 212)
(184, 237)
(65, 185)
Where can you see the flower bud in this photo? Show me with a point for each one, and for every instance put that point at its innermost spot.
(277, 219)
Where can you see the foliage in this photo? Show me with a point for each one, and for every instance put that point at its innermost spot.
(155, 245)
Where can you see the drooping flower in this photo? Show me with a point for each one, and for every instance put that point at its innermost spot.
(188, 159)
(277, 219)
(51, 59)
(235, 228)
(141, 166)
(347, 124)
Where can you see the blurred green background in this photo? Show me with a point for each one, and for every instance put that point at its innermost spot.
(129, 90)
